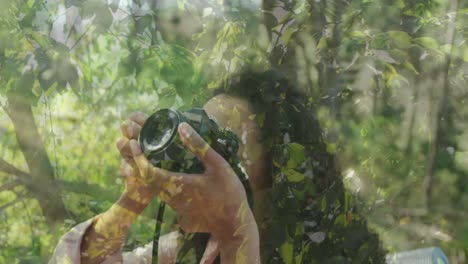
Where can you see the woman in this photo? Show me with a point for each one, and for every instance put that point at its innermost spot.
(312, 216)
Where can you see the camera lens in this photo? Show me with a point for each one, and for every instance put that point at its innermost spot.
(159, 131)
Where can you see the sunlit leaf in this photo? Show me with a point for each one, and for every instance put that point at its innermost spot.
(293, 176)
(287, 251)
(400, 39)
(427, 42)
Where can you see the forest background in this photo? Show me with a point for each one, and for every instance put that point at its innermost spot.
(388, 80)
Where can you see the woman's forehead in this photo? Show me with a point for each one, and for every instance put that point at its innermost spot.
(227, 104)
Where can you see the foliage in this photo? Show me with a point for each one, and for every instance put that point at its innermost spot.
(383, 84)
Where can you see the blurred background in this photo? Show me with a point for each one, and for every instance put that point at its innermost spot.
(389, 80)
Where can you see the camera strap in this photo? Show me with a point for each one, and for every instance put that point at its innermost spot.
(157, 231)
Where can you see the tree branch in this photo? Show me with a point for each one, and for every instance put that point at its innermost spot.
(75, 187)
(6, 167)
(9, 185)
(4, 207)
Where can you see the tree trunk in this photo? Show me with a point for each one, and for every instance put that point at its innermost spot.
(442, 114)
(43, 187)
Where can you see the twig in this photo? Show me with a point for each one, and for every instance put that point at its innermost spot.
(82, 35)
(10, 169)
(71, 28)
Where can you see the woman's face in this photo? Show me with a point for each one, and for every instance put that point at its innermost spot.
(236, 113)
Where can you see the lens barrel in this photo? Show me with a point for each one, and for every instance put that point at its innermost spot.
(162, 146)
(158, 132)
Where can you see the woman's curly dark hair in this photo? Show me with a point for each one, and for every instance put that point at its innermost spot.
(313, 217)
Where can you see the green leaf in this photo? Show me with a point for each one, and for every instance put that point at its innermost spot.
(293, 176)
(300, 256)
(75, 86)
(427, 42)
(411, 67)
(324, 203)
(331, 148)
(41, 39)
(322, 43)
(464, 50)
(103, 20)
(296, 155)
(299, 194)
(127, 65)
(270, 19)
(400, 39)
(286, 252)
(36, 246)
(447, 48)
(142, 23)
(287, 35)
(358, 34)
(400, 56)
(379, 41)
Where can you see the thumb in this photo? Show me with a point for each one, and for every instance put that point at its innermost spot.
(202, 150)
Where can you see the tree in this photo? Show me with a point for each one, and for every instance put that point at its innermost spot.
(372, 72)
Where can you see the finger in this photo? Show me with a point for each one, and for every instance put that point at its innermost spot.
(202, 150)
(126, 170)
(130, 129)
(147, 171)
(124, 148)
(139, 118)
(120, 143)
(211, 251)
(123, 128)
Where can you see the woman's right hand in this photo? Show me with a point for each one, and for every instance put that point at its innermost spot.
(136, 187)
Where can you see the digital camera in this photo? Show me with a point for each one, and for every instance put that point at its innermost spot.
(161, 144)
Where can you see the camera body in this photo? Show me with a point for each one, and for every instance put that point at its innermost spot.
(161, 144)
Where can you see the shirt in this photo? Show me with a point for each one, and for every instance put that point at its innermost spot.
(68, 249)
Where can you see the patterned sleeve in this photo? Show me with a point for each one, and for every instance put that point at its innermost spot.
(167, 251)
(67, 250)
